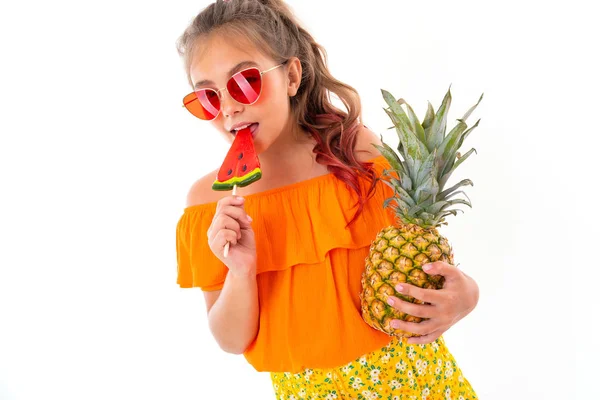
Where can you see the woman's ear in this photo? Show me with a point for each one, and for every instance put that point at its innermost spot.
(294, 76)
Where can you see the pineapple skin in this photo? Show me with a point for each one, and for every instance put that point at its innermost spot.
(397, 255)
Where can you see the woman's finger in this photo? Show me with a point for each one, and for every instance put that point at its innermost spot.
(420, 328)
(431, 296)
(229, 201)
(223, 237)
(417, 310)
(225, 222)
(237, 213)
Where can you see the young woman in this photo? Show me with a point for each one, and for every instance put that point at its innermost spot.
(287, 294)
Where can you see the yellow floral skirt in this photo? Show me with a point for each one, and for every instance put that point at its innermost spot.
(396, 371)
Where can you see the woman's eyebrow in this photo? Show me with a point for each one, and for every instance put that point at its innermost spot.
(232, 71)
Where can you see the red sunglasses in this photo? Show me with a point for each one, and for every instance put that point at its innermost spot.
(244, 87)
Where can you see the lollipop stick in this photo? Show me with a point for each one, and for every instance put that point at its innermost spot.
(226, 250)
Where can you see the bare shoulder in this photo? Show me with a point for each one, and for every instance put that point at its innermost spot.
(364, 148)
(201, 191)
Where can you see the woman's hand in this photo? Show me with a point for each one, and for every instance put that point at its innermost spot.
(447, 306)
(231, 224)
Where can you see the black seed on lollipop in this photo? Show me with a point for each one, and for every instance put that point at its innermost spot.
(244, 168)
(229, 172)
(241, 156)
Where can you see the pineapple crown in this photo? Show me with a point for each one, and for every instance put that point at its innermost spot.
(429, 157)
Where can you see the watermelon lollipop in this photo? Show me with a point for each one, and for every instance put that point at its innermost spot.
(241, 166)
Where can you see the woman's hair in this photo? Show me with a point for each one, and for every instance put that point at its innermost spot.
(271, 26)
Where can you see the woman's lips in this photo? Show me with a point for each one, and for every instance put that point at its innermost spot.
(253, 130)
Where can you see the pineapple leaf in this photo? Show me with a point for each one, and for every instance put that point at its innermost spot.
(428, 120)
(395, 106)
(456, 164)
(453, 212)
(428, 186)
(457, 201)
(446, 192)
(448, 212)
(406, 118)
(460, 191)
(415, 124)
(401, 212)
(395, 120)
(468, 113)
(390, 155)
(405, 182)
(401, 215)
(461, 138)
(414, 169)
(387, 201)
(403, 205)
(394, 184)
(426, 200)
(439, 221)
(435, 208)
(426, 168)
(414, 210)
(402, 146)
(401, 151)
(449, 146)
(438, 127)
(408, 138)
(460, 142)
(429, 220)
(418, 129)
(404, 194)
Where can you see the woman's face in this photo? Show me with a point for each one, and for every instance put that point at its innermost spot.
(214, 62)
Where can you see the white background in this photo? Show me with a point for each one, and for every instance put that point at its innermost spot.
(97, 156)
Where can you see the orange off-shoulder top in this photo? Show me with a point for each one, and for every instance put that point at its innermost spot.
(309, 269)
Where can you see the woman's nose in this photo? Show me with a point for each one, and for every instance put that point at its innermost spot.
(228, 105)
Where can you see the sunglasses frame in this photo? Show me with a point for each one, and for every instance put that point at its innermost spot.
(225, 88)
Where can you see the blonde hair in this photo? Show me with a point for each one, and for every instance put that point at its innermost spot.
(272, 27)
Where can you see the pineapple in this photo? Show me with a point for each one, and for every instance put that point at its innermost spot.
(397, 253)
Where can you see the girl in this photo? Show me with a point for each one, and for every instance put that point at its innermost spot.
(287, 294)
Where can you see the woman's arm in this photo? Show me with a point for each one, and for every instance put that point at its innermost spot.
(233, 312)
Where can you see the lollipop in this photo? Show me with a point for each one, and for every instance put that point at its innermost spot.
(241, 166)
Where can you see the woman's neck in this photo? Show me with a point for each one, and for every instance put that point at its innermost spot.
(291, 152)
(288, 160)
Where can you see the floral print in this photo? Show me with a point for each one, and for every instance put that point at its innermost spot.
(398, 371)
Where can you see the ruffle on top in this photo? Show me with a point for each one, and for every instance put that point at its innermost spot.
(294, 224)
(309, 269)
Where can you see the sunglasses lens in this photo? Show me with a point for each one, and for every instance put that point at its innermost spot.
(203, 103)
(245, 86)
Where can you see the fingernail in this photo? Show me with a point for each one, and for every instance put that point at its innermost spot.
(394, 324)
(426, 267)
(249, 218)
(390, 301)
(239, 198)
(399, 288)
